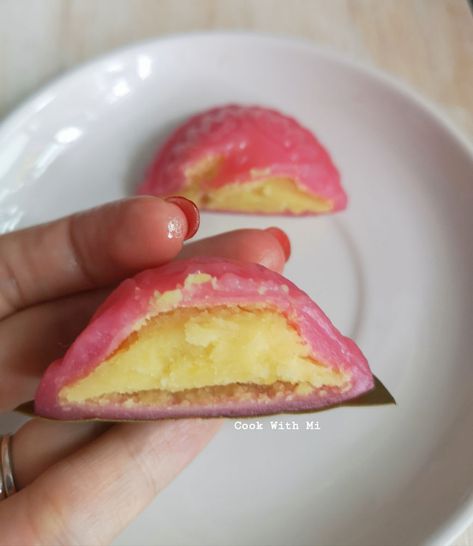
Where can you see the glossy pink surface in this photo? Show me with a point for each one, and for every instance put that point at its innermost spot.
(235, 283)
(247, 137)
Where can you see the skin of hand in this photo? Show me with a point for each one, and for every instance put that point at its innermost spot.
(82, 483)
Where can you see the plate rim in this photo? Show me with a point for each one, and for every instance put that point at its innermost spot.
(387, 79)
(450, 528)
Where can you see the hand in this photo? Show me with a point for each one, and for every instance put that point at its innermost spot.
(82, 483)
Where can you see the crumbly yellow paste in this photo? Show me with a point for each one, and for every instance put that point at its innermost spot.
(268, 195)
(259, 194)
(193, 348)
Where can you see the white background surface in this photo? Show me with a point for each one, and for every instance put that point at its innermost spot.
(394, 271)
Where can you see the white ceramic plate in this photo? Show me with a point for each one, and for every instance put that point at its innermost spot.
(395, 271)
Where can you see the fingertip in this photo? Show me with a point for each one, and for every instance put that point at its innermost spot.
(283, 240)
(259, 246)
(150, 231)
(191, 212)
(269, 252)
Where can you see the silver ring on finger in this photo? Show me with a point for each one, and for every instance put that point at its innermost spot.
(7, 480)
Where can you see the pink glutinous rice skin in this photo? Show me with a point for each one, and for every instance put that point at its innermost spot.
(254, 143)
(230, 283)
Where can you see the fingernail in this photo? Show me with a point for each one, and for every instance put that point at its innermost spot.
(283, 240)
(191, 212)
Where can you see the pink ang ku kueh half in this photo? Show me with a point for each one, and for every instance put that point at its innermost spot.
(247, 159)
(204, 337)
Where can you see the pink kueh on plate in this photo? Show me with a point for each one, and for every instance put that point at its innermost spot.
(247, 159)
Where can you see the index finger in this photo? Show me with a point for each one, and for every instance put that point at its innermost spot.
(88, 250)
